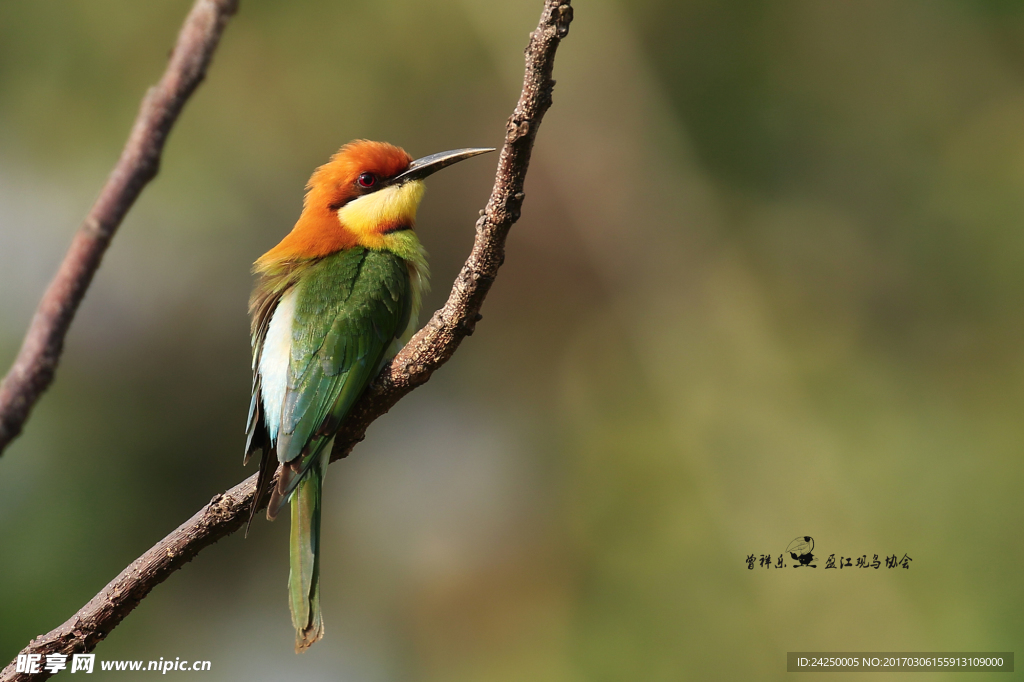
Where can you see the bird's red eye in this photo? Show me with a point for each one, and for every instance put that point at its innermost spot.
(367, 180)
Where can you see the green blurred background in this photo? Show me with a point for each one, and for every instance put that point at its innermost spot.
(768, 282)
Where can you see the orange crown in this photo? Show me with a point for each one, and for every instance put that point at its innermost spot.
(318, 232)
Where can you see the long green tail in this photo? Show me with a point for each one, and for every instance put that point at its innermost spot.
(304, 576)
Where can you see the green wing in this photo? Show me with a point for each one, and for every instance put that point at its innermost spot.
(350, 307)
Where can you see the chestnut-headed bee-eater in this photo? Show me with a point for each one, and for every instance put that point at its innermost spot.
(333, 302)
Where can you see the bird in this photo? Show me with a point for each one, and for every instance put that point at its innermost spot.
(332, 302)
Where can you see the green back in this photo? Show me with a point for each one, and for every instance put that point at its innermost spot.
(350, 307)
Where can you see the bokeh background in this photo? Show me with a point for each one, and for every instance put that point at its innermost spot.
(768, 282)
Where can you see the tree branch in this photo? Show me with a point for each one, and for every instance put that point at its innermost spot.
(430, 348)
(433, 345)
(34, 367)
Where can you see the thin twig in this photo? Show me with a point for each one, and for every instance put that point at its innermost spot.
(430, 348)
(34, 367)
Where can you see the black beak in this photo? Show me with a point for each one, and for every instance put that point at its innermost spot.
(421, 168)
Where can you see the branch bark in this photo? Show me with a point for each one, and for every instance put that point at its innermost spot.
(430, 348)
(34, 367)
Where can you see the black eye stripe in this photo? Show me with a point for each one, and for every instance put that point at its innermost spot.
(400, 228)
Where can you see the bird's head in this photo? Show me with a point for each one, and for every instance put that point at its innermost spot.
(366, 195)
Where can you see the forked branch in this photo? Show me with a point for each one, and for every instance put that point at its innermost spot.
(430, 348)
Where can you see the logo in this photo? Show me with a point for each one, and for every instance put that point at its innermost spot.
(801, 550)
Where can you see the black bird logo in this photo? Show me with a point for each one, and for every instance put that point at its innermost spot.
(801, 549)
